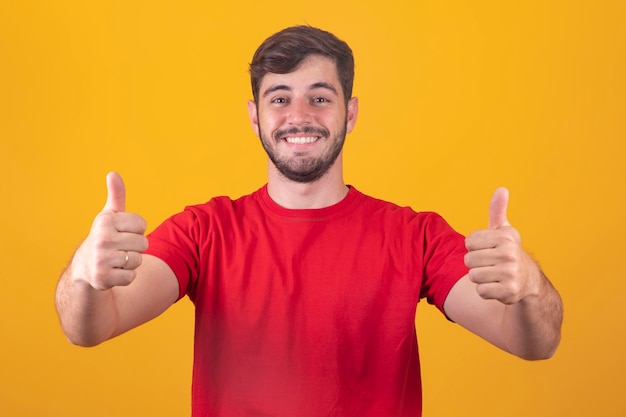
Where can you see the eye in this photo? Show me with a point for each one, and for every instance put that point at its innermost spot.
(320, 100)
(278, 100)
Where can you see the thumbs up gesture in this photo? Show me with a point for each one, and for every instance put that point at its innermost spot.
(498, 264)
(112, 251)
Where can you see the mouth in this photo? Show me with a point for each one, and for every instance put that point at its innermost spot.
(301, 136)
(301, 140)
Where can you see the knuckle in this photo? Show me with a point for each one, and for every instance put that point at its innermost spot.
(514, 288)
(100, 282)
(507, 263)
(472, 275)
(101, 259)
(128, 277)
(469, 241)
(144, 244)
(102, 238)
(512, 293)
(478, 275)
(467, 259)
(482, 291)
(510, 258)
(104, 220)
(509, 238)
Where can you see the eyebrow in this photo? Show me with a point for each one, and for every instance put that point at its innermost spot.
(322, 84)
(283, 87)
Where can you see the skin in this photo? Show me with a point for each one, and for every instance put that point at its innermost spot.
(505, 298)
(309, 97)
(97, 300)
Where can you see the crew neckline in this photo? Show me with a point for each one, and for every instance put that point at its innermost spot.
(309, 214)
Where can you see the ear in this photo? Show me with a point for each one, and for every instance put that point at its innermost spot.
(254, 117)
(352, 113)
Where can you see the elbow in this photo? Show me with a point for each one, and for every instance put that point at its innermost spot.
(82, 339)
(82, 342)
(536, 356)
(539, 353)
(552, 351)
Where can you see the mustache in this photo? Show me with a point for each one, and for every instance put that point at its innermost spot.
(317, 131)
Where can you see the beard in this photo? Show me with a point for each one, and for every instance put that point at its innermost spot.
(301, 168)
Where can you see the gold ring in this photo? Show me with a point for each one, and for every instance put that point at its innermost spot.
(125, 259)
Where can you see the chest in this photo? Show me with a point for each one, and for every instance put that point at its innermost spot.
(282, 270)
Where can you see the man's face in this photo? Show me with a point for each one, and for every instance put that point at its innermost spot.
(302, 120)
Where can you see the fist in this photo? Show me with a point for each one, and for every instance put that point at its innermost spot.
(497, 263)
(112, 251)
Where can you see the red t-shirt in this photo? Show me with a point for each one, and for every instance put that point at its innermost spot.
(308, 312)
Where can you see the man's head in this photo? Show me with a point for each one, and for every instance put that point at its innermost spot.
(302, 107)
(284, 51)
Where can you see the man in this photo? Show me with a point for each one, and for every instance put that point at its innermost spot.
(305, 291)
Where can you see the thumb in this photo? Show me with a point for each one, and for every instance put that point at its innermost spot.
(116, 193)
(497, 208)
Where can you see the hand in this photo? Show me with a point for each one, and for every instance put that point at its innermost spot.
(499, 266)
(112, 251)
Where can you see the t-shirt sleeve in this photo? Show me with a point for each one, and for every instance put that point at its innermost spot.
(443, 260)
(176, 242)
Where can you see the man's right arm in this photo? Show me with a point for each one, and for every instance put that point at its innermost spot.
(110, 286)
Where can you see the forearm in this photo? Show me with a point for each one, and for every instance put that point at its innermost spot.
(531, 328)
(505, 298)
(102, 294)
(88, 316)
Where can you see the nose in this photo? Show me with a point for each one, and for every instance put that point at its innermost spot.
(300, 113)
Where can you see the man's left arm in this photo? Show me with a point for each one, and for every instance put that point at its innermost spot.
(505, 298)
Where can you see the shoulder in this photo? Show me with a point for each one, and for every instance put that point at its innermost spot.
(198, 221)
(220, 207)
(379, 207)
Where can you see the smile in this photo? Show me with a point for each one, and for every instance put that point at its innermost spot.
(300, 140)
(301, 136)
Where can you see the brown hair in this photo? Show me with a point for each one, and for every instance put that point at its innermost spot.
(282, 52)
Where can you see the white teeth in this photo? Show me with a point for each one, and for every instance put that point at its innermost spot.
(301, 140)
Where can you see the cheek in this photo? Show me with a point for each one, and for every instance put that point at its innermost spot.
(333, 117)
(269, 121)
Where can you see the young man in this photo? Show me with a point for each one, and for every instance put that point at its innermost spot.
(305, 290)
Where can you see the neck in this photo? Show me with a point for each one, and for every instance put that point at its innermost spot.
(326, 191)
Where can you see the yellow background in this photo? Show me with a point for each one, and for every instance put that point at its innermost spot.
(456, 98)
